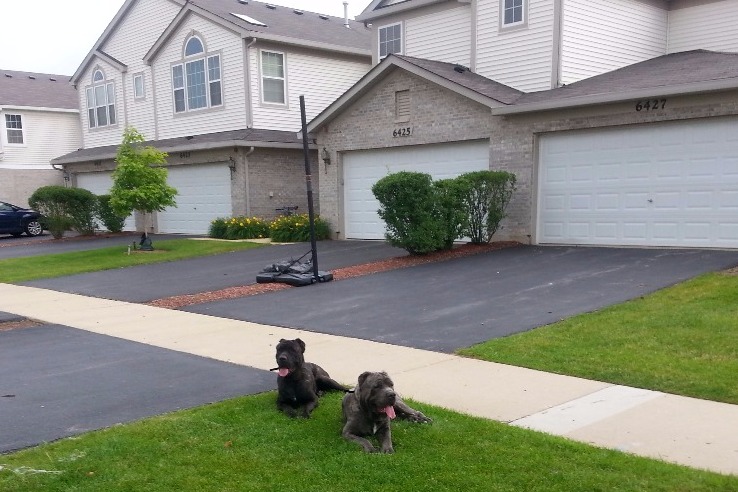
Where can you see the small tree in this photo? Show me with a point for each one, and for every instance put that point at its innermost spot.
(139, 180)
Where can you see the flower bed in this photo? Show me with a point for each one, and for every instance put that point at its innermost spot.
(291, 228)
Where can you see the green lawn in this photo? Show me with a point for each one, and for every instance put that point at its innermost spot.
(681, 340)
(246, 445)
(13, 270)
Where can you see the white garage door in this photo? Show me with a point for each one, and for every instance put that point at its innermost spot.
(669, 184)
(99, 183)
(361, 169)
(204, 193)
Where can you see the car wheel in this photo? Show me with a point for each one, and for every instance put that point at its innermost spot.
(34, 228)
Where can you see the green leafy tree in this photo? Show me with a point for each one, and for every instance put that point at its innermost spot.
(139, 179)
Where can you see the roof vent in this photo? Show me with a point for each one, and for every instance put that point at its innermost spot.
(52, 79)
(270, 6)
(460, 68)
(189, 137)
(245, 2)
(32, 77)
(8, 76)
(298, 12)
(323, 16)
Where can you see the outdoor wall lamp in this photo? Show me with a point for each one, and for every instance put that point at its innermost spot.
(326, 156)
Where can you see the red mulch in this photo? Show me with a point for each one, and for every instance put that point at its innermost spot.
(338, 274)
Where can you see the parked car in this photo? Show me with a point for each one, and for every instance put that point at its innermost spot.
(17, 220)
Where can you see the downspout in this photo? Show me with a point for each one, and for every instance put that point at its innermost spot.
(473, 54)
(246, 179)
(247, 89)
(557, 42)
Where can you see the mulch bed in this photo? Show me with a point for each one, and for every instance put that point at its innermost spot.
(338, 274)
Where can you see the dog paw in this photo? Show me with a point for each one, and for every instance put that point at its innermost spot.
(420, 418)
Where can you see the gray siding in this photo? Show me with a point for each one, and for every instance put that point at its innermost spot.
(712, 26)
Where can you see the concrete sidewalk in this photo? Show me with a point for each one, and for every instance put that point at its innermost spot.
(682, 430)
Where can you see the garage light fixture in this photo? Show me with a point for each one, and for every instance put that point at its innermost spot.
(326, 156)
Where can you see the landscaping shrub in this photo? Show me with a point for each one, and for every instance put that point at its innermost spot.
(218, 227)
(451, 208)
(55, 203)
(246, 228)
(485, 195)
(296, 228)
(111, 220)
(409, 208)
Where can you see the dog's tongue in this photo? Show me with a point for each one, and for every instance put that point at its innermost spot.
(283, 371)
(390, 411)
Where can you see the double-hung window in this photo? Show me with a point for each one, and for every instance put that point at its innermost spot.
(14, 129)
(512, 12)
(390, 40)
(100, 101)
(197, 82)
(273, 80)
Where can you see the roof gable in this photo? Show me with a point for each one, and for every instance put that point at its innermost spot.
(451, 76)
(382, 8)
(274, 23)
(37, 90)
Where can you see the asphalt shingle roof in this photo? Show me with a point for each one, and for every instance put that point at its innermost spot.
(246, 136)
(284, 21)
(40, 90)
(687, 67)
(465, 78)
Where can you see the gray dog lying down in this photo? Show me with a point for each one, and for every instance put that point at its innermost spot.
(300, 383)
(370, 408)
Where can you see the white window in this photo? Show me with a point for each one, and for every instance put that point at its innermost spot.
(100, 101)
(138, 86)
(273, 80)
(390, 40)
(512, 12)
(197, 83)
(14, 129)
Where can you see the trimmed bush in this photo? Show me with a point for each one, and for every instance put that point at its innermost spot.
(409, 208)
(111, 220)
(451, 208)
(485, 195)
(296, 229)
(218, 227)
(54, 203)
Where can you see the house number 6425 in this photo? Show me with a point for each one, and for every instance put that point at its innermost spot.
(402, 132)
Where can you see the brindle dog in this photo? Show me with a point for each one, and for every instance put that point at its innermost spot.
(370, 408)
(300, 383)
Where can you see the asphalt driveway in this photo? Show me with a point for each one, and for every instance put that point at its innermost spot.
(58, 381)
(148, 282)
(448, 305)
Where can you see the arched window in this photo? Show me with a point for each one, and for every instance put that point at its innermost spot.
(196, 82)
(100, 101)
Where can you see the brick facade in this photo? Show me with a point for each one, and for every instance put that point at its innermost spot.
(17, 185)
(441, 115)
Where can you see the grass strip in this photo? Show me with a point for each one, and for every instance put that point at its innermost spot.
(14, 270)
(681, 340)
(245, 444)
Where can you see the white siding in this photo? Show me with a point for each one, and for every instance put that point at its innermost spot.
(443, 36)
(520, 57)
(128, 44)
(232, 114)
(47, 134)
(107, 135)
(713, 26)
(319, 78)
(601, 36)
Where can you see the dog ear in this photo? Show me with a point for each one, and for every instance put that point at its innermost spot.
(282, 340)
(363, 376)
(301, 344)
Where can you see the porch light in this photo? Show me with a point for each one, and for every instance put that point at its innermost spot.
(326, 156)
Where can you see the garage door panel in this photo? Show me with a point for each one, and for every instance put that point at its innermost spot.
(362, 169)
(665, 184)
(203, 194)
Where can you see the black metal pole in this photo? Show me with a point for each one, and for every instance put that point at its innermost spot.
(309, 184)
